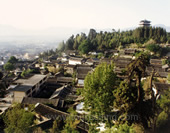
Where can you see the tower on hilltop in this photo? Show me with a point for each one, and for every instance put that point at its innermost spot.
(145, 23)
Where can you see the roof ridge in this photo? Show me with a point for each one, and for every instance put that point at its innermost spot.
(51, 108)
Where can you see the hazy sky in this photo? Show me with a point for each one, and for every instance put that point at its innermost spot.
(41, 14)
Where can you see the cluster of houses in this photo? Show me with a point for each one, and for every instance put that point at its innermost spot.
(53, 93)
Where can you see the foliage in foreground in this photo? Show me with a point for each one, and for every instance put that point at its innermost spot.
(125, 128)
(18, 120)
(163, 105)
(71, 122)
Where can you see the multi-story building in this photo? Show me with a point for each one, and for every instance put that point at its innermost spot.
(28, 87)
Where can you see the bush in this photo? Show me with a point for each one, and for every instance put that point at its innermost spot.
(18, 120)
(153, 48)
(169, 78)
(26, 72)
(162, 119)
(9, 66)
(122, 128)
(13, 60)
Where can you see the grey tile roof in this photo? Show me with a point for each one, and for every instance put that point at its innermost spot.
(31, 81)
(22, 88)
(61, 92)
(83, 71)
(49, 112)
(55, 102)
(52, 113)
(161, 87)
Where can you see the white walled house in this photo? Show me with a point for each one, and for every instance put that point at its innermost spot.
(75, 61)
(65, 58)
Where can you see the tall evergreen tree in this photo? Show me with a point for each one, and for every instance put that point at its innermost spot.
(70, 43)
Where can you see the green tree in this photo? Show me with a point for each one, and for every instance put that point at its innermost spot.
(9, 66)
(71, 122)
(162, 119)
(143, 34)
(77, 41)
(1, 75)
(55, 128)
(69, 43)
(18, 120)
(136, 70)
(163, 110)
(125, 97)
(168, 78)
(123, 128)
(61, 46)
(51, 52)
(13, 60)
(2, 86)
(153, 48)
(85, 46)
(117, 39)
(130, 94)
(92, 128)
(98, 89)
(2, 89)
(92, 34)
(164, 101)
(26, 72)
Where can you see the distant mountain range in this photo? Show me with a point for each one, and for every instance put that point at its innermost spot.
(9, 33)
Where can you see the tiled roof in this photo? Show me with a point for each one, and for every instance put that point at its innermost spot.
(83, 71)
(52, 113)
(61, 92)
(55, 102)
(49, 112)
(64, 79)
(161, 86)
(76, 59)
(156, 61)
(32, 80)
